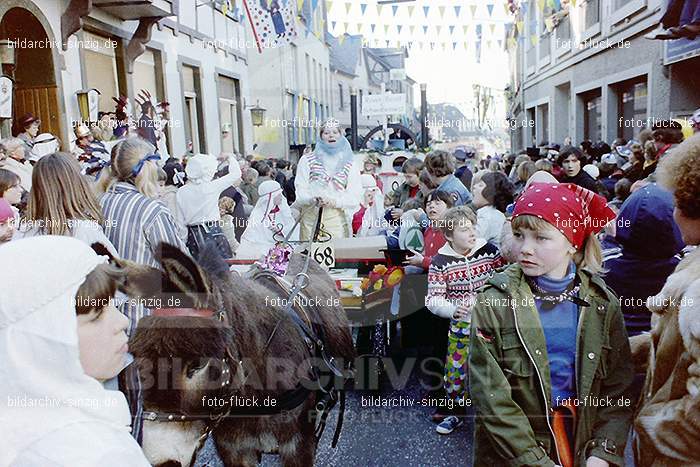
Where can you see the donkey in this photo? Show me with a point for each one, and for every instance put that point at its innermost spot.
(230, 377)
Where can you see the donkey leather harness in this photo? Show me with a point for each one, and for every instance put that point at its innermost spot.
(326, 396)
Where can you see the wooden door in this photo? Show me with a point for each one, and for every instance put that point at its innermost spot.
(42, 102)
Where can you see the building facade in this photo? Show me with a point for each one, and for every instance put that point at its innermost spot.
(594, 76)
(187, 53)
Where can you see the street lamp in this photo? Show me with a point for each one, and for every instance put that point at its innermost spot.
(257, 114)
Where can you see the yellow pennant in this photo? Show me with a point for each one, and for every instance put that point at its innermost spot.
(492, 27)
(412, 28)
(348, 7)
(329, 5)
(442, 11)
(465, 28)
(379, 9)
(573, 3)
(473, 10)
(540, 4)
(410, 10)
(300, 5)
(386, 29)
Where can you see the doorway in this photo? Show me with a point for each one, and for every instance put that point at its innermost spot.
(35, 87)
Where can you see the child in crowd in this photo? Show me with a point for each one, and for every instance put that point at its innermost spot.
(226, 207)
(441, 167)
(7, 221)
(493, 192)
(50, 354)
(460, 267)
(11, 190)
(548, 341)
(410, 188)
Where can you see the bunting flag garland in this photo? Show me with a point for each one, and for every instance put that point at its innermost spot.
(458, 9)
(398, 28)
(348, 7)
(452, 30)
(411, 28)
(379, 9)
(426, 9)
(441, 9)
(394, 9)
(333, 24)
(386, 29)
(410, 10)
(373, 27)
(489, 7)
(473, 10)
(492, 28)
(363, 8)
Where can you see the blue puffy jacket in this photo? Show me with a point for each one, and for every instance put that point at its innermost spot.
(643, 253)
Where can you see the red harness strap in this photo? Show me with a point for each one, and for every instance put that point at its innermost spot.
(195, 312)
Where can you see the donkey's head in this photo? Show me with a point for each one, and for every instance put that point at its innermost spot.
(185, 350)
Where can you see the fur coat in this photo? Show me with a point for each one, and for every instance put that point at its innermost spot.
(667, 423)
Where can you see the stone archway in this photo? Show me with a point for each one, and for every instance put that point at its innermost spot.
(37, 87)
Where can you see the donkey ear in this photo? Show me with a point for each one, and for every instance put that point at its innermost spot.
(102, 250)
(182, 270)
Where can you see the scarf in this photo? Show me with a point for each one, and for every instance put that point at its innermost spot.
(331, 158)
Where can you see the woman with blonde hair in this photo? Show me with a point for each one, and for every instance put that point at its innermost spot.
(62, 202)
(136, 223)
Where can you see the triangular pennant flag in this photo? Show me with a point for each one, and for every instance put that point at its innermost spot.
(333, 24)
(465, 28)
(363, 8)
(441, 9)
(438, 29)
(426, 9)
(466, 46)
(300, 5)
(410, 10)
(346, 26)
(411, 28)
(478, 30)
(540, 4)
(269, 2)
(452, 30)
(489, 7)
(387, 43)
(573, 3)
(379, 9)
(348, 7)
(473, 10)
(492, 28)
(373, 27)
(425, 30)
(500, 43)
(549, 24)
(432, 46)
(398, 28)
(458, 9)
(520, 25)
(394, 9)
(444, 46)
(454, 46)
(386, 29)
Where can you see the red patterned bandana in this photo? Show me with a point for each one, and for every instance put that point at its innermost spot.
(574, 211)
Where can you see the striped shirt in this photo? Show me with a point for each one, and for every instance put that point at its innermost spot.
(136, 225)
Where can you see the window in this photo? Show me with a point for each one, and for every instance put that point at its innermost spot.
(631, 107)
(592, 13)
(621, 9)
(592, 115)
(341, 100)
(230, 114)
(101, 71)
(531, 127)
(194, 128)
(543, 123)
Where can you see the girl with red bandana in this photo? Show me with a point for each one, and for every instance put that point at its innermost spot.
(549, 360)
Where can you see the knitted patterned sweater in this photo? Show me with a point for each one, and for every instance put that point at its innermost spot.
(453, 279)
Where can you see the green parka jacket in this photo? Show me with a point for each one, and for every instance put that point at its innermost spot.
(510, 377)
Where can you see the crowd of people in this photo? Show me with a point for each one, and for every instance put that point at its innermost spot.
(527, 276)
